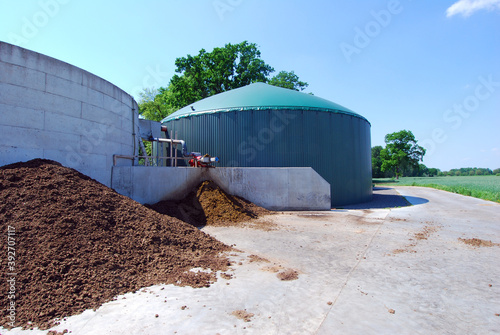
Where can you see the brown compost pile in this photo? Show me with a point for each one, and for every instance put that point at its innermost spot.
(208, 204)
(78, 244)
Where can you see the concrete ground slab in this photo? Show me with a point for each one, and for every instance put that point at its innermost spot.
(392, 270)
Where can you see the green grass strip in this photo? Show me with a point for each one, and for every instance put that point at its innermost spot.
(486, 188)
(485, 195)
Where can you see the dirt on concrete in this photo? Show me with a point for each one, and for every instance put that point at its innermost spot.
(243, 315)
(288, 274)
(55, 332)
(208, 204)
(255, 258)
(477, 242)
(75, 244)
(423, 234)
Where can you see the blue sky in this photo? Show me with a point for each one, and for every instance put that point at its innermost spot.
(432, 67)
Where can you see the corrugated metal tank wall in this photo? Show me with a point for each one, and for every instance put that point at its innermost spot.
(336, 145)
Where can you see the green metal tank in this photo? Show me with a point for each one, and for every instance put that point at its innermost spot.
(260, 125)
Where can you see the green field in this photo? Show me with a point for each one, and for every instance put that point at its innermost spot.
(483, 187)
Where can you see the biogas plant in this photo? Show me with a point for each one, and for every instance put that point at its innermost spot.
(278, 148)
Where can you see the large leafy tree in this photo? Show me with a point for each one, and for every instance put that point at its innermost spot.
(288, 80)
(401, 152)
(209, 73)
(223, 69)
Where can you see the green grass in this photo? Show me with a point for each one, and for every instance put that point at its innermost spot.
(483, 187)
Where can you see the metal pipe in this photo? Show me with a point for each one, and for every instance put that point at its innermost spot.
(175, 154)
(157, 153)
(171, 154)
(175, 151)
(133, 131)
(172, 141)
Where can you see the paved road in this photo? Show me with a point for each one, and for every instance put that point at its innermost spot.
(376, 270)
(417, 266)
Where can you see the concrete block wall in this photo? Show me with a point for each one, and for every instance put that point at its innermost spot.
(271, 188)
(54, 110)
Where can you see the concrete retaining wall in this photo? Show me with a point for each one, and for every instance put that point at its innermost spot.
(271, 188)
(51, 109)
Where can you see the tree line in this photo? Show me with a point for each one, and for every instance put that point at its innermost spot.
(401, 158)
(470, 172)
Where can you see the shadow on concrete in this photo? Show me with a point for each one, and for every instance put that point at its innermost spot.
(416, 200)
(387, 197)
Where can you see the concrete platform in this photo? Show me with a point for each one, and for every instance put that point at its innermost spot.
(393, 270)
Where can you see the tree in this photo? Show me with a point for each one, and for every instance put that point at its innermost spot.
(223, 69)
(377, 162)
(401, 152)
(433, 172)
(152, 104)
(208, 73)
(421, 170)
(288, 80)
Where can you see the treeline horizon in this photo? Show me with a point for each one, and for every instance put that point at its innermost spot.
(424, 171)
(470, 171)
(402, 155)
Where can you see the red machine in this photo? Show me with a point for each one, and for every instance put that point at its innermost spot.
(202, 161)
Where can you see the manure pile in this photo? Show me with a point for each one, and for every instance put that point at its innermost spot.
(78, 244)
(208, 204)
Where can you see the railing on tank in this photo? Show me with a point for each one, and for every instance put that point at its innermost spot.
(157, 160)
(196, 159)
(151, 160)
(173, 160)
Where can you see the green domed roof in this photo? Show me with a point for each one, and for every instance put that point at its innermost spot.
(258, 96)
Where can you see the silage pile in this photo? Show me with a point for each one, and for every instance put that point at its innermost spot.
(78, 244)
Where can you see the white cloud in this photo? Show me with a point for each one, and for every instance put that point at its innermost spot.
(468, 7)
